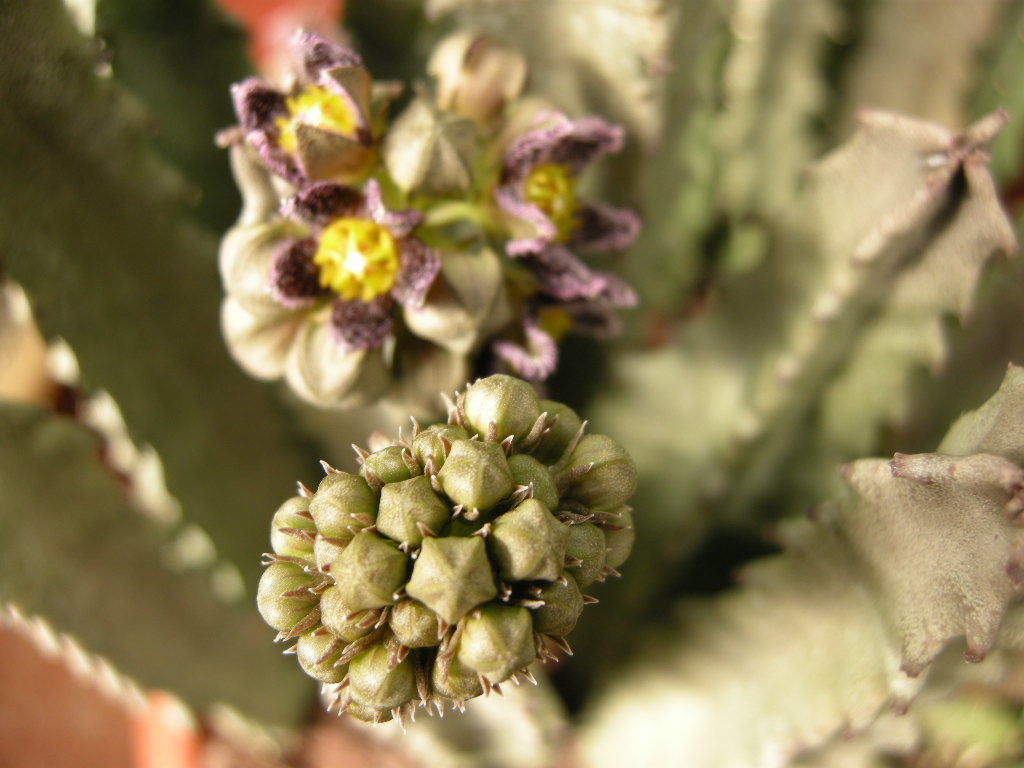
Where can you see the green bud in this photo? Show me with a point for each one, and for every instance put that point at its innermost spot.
(428, 151)
(280, 611)
(291, 534)
(326, 550)
(372, 684)
(459, 684)
(369, 571)
(387, 464)
(553, 444)
(619, 537)
(528, 543)
(497, 641)
(611, 480)
(587, 544)
(563, 604)
(427, 444)
(452, 576)
(476, 474)
(369, 714)
(405, 504)
(527, 470)
(509, 402)
(339, 497)
(414, 625)
(311, 649)
(334, 615)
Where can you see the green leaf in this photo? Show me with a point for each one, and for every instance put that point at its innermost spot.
(97, 240)
(845, 622)
(74, 550)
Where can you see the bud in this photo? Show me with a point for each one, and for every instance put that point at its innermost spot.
(406, 505)
(317, 652)
(340, 619)
(528, 543)
(476, 474)
(431, 152)
(509, 402)
(292, 532)
(612, 478)
(280, 598)
(619, 537)
(497, 640)
(527, 471)
(342, 505)
(476, 76)
(455, 681)
(369, 571)
(428, 443)
(587, 546)
(452, 576)
(563, 604)
(373, 684)
(554, 442)
(387, 465)
(414, 625)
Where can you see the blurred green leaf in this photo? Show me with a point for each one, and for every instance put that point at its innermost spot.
(96, 237)
(74, 550)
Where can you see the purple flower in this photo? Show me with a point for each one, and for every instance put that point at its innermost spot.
(313, 291)
(321, 128)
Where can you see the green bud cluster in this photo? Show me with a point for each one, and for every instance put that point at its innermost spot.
(455, 558)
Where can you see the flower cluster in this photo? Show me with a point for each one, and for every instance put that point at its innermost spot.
(454, 559)
(379, 257)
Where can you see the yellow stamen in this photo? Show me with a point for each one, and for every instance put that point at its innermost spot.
(358, 259)
(551, 187)
(316, 107)
(554, 322)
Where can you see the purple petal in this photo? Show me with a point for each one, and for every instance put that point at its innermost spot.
(400, 223)
(574, 143)
(562, 276)
(535, 359)
(314, 53)
(274, 158)
(257, 104)
(321, 202)
(603, 228)
(294, 278)
(511, 201)
(361, 325)
(418, 267)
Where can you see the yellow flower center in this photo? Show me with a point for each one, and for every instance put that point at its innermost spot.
(551, 187)
(318, 108)
(358, 259)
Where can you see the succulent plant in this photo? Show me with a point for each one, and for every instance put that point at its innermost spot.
(454, 559)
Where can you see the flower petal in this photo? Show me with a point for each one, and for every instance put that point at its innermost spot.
(361, 325)
(399, 223)
(418, 268)
(323, 373)
(260, 343)
(534, 359)
(257, 105)
(246, 258)
(315, 53)
(603, 228)
(574, 143)
(562, 276)
(323, 201)
(294, 278)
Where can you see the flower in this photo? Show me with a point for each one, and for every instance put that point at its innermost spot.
(320, 129)
(313, 289)
(547, 220)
